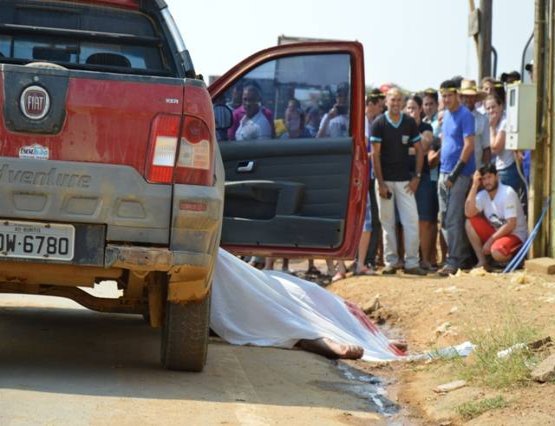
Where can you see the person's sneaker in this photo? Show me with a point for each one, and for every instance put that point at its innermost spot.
(486, 268)
(389, 270)
(447, 270)
(415, 271)
(428, 267)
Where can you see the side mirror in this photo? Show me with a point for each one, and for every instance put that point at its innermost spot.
(223, 116)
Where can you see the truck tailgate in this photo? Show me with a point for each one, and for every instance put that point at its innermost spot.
(84, 161)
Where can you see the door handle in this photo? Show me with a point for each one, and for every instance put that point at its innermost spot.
(245, 166)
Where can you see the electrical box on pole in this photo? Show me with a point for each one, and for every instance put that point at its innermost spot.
(521, 116)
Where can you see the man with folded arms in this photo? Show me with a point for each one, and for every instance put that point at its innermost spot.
(495, 222)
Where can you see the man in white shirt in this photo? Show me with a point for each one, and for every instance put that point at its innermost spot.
(495, 222)
(335, 123)
(470, 95)
(254, 124)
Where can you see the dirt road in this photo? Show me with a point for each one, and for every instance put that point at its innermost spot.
(63, 365)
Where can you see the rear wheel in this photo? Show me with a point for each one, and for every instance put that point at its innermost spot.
(185, 335)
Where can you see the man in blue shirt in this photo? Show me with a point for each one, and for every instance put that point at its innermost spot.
(456, 169)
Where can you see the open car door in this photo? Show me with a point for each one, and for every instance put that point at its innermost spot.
(294, 150)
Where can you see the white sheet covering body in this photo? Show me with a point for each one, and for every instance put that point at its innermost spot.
(270, 308)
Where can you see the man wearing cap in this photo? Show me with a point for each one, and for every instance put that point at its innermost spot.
(470, 95)
(374, 106)
(457, 166)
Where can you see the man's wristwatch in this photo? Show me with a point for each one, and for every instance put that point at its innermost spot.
(418, 175)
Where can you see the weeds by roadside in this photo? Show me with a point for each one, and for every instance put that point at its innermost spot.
(472, 409)
(487, 368)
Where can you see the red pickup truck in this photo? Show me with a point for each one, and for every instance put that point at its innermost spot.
(113, 166)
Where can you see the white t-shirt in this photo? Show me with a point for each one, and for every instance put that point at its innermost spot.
(338, 126)
(506, 157)
(505, 205)
(256, 127)
(481, 139)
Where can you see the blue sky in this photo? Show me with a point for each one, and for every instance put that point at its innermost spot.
(414, 43)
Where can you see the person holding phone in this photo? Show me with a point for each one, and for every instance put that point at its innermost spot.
(335, 123)
(392, 134)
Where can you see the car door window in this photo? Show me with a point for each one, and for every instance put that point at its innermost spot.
(303, 96)
(290, 125)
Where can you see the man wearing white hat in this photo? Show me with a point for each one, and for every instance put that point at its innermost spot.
(470, 95)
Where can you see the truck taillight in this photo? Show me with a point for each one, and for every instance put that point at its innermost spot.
(163, 147)
(184, 158)
(195, 154)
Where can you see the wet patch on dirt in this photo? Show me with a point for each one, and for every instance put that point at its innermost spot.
(363, 386)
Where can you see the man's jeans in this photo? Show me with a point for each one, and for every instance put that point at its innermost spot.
(408, 214)
(451, 209)
(376, 227)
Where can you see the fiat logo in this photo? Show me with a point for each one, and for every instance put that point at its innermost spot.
(35, 102)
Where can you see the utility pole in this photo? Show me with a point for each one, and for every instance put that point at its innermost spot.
(540, 184)
(479, 28)
(484, 39)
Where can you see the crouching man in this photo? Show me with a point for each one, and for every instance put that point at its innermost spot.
(495, 222)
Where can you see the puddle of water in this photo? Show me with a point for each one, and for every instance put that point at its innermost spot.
(364, 386)
(371, 388)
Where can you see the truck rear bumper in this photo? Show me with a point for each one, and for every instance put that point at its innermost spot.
(195, 234)
(146, 259)
(195, 238)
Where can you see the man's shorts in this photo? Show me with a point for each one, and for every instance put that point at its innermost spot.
(368, 218)
(507, 245)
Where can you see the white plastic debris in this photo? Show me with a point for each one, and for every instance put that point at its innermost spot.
(505, 353)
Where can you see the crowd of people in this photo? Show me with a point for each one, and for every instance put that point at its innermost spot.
(439, 158)
(445, 193)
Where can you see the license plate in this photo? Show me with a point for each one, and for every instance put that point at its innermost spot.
(35, 240)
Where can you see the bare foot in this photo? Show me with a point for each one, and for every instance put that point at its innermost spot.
(331, 349)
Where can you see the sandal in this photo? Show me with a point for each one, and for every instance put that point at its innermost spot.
(338, 276)
(364, 271)
(313, 270)
(447, 270)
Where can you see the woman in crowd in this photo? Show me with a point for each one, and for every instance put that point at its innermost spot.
(505, 160)
(426, 195)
